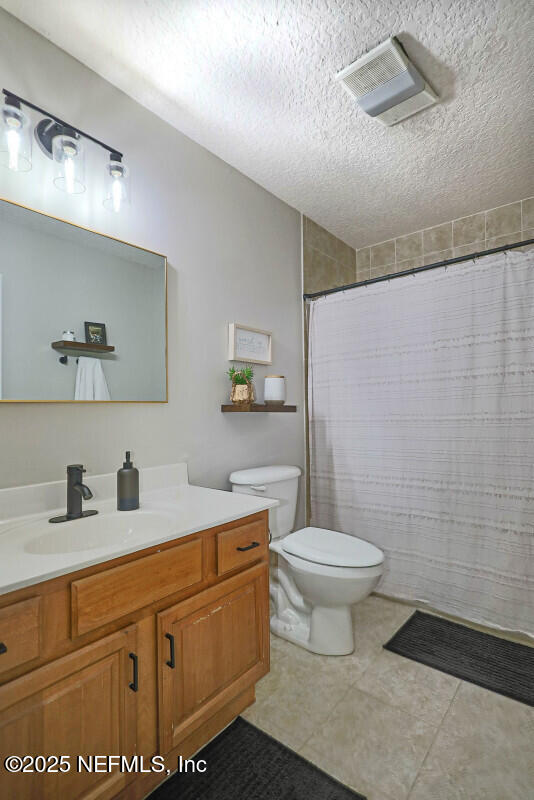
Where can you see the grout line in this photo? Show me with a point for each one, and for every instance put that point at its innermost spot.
(431, 745)
(456, 219)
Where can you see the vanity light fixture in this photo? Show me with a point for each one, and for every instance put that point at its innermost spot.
(64, 144)
(117, 184)
(15, 139)
(69, 166)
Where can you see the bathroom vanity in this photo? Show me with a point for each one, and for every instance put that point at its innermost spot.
(149, 642)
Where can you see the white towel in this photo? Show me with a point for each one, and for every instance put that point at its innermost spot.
(90, 380)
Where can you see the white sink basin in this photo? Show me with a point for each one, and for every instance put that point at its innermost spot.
(93, 533)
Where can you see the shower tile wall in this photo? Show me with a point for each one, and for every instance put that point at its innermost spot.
(482, 231)
(327, 261)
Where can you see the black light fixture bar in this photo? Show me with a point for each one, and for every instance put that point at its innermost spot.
(10, 96)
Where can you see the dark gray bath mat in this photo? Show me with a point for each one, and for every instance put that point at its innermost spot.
(243, 763)
(493, 663)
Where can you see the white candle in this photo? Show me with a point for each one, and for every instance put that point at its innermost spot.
(274, 393)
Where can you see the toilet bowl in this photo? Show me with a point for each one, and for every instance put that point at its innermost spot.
(320, 574)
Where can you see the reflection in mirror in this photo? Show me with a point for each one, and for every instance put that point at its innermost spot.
(82, 316)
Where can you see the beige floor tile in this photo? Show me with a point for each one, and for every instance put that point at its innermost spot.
(297, 696)
(371, 744)
(293, 739)
(347, 669)
(341, 774)
(376, 619)
(417, 689)
(483, 751)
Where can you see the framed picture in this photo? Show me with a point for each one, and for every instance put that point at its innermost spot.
(249, 344)
(95, 333)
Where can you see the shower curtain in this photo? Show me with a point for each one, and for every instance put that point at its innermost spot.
(421, 415)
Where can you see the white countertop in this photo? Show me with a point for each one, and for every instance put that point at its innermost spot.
(182, 508)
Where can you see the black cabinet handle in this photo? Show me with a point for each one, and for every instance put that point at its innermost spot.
(172, 662)
(134, 685)
(3, 648)
(248, 547)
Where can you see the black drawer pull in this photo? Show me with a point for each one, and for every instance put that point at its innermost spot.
(248, 547)
(134, 685)
(172, 662)
(3, 648)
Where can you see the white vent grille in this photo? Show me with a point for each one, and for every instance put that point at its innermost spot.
(374, 73)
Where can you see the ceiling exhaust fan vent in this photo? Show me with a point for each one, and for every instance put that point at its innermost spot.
(386, 84)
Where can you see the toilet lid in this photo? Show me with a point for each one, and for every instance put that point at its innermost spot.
(332, 548)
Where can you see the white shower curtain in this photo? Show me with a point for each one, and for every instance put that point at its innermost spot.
(421, 405)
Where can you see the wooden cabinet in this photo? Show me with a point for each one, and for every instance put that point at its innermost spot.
(112, 594)
(19, 633)
(67, 673)
(240, 547)
(81, 704)
(211, 648)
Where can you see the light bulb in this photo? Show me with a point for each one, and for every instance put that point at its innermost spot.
(117, 190)
(68, 154)
(69, 175)
(15, 138)
(13, 148)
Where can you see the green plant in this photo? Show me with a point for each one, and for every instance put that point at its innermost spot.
(241, 376)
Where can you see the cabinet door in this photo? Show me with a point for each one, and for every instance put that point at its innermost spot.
(211, 648)
(81, 704)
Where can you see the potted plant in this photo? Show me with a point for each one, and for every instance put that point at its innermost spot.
(242, 393)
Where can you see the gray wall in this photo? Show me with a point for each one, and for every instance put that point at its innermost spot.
(54, 278)
(234, 255)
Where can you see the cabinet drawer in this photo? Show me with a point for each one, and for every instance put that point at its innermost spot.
(241, 546)
(107, 596)
(19, 633)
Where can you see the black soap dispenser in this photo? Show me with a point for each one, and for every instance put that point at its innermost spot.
(127, 486)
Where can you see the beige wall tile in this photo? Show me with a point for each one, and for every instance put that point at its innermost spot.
(363, 264)
(320, 271)
(377, 272)
(437, 238)
(382, 254)
(527, 213)
(344, 274)
(499, 241)
(321, 239)
(439, 255)
(409, 246)
(408, 263)
(469, 229)
(503, 220)
(467, 249)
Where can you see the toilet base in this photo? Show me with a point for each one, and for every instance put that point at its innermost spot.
(326, 631)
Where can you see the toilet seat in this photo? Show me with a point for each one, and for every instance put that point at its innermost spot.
(331, 548)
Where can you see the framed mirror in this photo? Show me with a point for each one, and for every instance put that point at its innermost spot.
(83, 316)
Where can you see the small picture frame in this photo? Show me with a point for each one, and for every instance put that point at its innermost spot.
(249, 344)
(95, 333)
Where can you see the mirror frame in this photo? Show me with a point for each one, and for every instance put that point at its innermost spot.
(130, 244)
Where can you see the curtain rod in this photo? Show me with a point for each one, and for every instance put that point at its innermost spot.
(414, 270)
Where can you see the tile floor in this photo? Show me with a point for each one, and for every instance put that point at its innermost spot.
(393, 729)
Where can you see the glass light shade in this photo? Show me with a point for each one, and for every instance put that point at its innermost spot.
(15, 139)
(69, 164)
(117, 186)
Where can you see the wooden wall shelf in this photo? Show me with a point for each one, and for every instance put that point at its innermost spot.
(231, 408)
(83, 347)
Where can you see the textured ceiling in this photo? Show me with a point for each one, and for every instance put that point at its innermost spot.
(252, 80)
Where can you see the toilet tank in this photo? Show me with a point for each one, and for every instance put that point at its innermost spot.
(279, 482)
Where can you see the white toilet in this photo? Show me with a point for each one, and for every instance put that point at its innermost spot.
(320, 573)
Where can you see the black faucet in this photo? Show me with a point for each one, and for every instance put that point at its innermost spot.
(76, 491)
